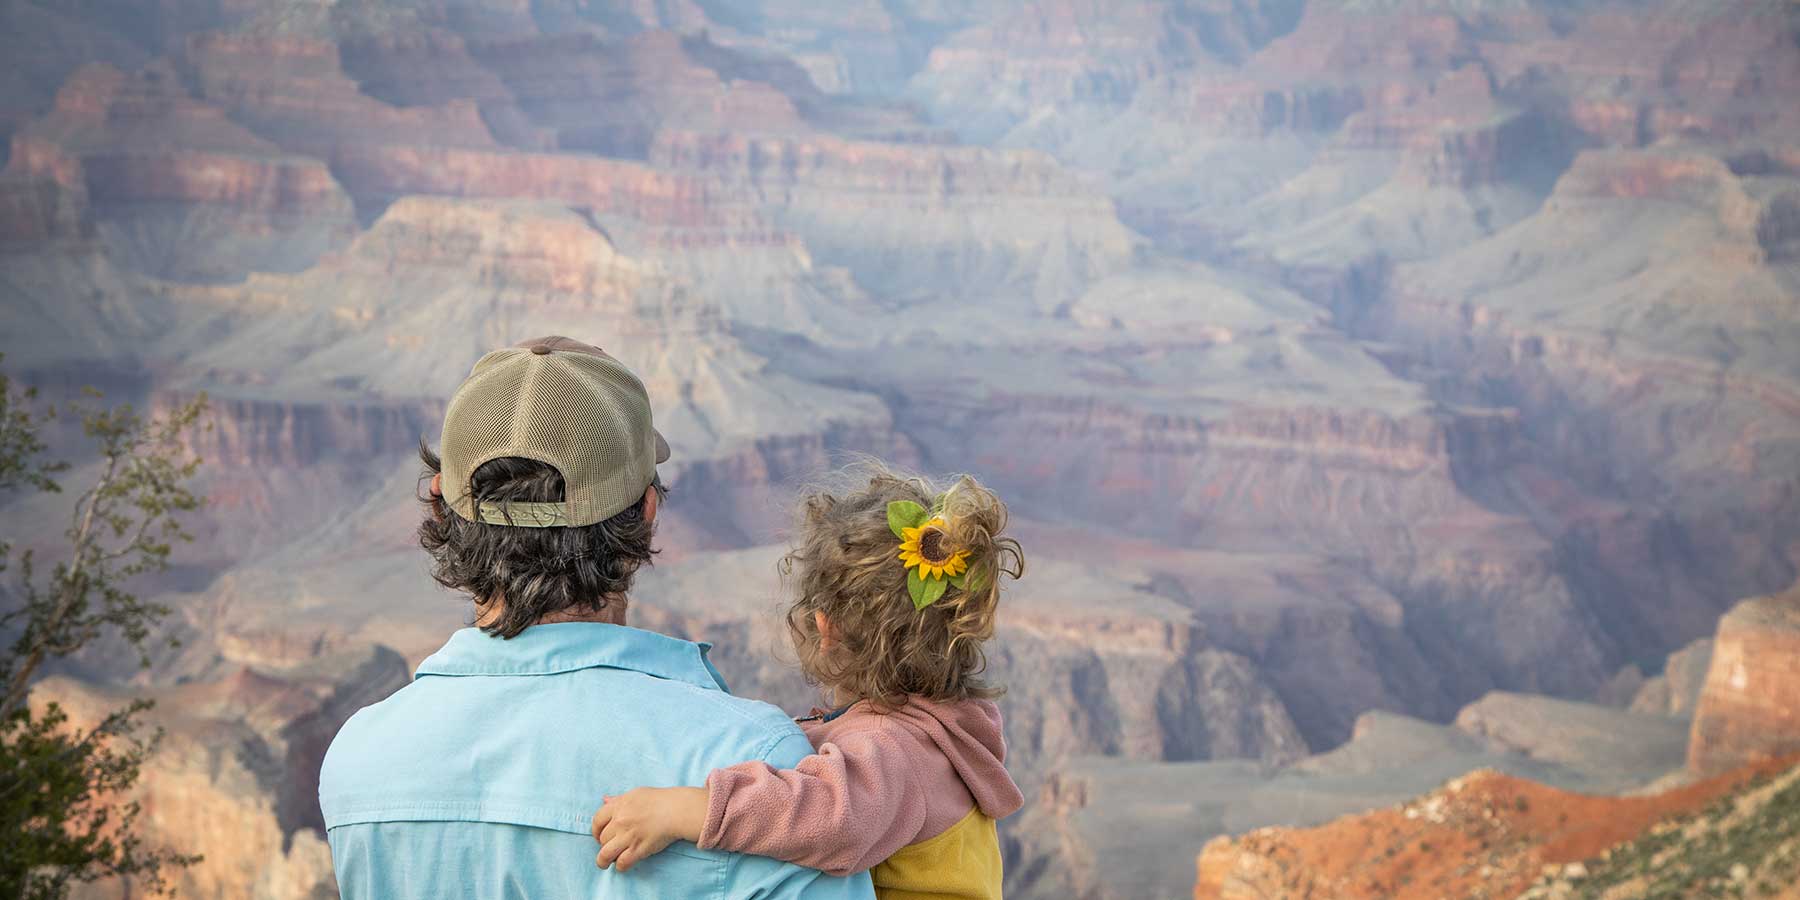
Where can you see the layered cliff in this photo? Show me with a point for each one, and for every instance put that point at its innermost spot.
(1083, 837)
(909, 219)
(170, 186)
(1655, 348)
(1493, 835)
(1676, 691)
(1279, 450)
(1747, 709)
(1062, 58)
(291, 89)
(236, 776)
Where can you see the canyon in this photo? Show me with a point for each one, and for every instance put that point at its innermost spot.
(1722, 824)
(1382, 391)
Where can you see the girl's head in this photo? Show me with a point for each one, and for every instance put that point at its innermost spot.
(853, 620)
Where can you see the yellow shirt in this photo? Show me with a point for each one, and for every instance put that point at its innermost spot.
(962, 861)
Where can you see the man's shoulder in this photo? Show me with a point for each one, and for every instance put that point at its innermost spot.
(594, 708)
(755, 715)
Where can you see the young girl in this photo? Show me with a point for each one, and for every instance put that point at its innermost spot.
(897, 587)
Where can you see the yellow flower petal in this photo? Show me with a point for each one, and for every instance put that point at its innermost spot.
(911, 556)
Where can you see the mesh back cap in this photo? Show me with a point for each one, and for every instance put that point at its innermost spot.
(565, 404)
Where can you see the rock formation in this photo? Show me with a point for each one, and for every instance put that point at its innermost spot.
(1676, 691)
(1490, 834)
(1576, 735)
(1483, 835)
(236, 777)
(1748, 710)
(140, 162)
(1077, 836)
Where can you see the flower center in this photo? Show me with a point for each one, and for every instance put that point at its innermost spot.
(931, 546)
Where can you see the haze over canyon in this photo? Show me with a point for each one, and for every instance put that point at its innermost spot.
(1383, 389)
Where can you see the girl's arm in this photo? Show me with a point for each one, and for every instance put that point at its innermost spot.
(842, 809)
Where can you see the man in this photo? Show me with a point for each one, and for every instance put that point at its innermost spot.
(479, 779)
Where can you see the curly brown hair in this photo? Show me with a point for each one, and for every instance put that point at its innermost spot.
(536, 571)
(846, 564)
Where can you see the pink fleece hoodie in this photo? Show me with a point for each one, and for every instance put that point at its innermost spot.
(879, 782)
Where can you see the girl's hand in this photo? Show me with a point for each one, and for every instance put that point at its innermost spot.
(642, 821)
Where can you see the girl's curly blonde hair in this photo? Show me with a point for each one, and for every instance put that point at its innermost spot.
(846, 564)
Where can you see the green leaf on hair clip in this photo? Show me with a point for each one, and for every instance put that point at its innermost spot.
(906, 514)
(967, 582)
(924, 591)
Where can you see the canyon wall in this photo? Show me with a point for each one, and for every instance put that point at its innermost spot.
(1746, 711)
(1373, 385)
(236, 773)
(1474, 834)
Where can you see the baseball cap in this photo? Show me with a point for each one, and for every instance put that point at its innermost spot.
(563, 403)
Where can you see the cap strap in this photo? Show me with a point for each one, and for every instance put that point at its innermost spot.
(524, 515)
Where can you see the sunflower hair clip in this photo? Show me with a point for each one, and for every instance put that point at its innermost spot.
(932, 565)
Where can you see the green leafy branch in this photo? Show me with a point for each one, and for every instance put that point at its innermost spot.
(123, 526)
(60, 787)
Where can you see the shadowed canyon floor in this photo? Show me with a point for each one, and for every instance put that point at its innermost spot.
(1383, 390)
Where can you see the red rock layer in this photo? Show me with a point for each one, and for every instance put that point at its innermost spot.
(388, 171)
(125, 139)
(1483, 835)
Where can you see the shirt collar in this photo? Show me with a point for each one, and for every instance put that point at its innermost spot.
(569, 646)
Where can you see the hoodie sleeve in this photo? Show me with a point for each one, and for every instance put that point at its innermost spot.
(843, 809)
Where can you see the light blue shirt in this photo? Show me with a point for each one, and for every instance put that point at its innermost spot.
(480, 778)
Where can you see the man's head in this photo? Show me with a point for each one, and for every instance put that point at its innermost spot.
(544, 500)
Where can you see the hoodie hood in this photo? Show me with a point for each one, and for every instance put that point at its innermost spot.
(968, 733)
